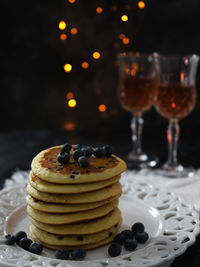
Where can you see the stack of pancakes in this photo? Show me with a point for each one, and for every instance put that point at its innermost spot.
(72, 206)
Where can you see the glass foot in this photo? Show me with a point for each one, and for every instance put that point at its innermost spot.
(176, 171)
(139, 161)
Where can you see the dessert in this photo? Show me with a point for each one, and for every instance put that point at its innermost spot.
(73, 196)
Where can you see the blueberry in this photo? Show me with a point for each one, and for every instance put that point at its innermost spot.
(130, 244)
(137, 227)
(66, 148)
(10, 240)
(141, 237)
(119, 238)
(36, 248)
(99, 152)
(63, 158)
(78, 254)
(77, 154)
(114, 250)
(77, 146)
(128, 234)
(25, 243)
(62, 254)
(19, 236)
(83, 161)
(88, 151)
(108, 150)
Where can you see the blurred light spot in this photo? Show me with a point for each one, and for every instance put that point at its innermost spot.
(84, 65)
(63, 36)
(70, 126)
(173, 105)
(99, 10)
(70, 95)
(124, 18)
(62, 25)
(71, 1)
(121, 36)
(125, 40)
(102, 108)
(67, 67)
(74, 31)
(96, 55)
(72, 103)
(141, 4)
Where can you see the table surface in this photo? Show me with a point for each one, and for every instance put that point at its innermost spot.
(18, 148)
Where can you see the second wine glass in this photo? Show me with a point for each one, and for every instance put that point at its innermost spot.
(136, 92)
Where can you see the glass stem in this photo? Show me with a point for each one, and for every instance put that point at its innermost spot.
(172, 137)
(137, 126)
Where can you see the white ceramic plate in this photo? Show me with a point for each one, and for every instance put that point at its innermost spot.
(171, 223)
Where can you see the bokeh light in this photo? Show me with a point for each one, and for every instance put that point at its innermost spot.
(84, 65)
(74, 31)
(141, 4)
(125, 40)
(124, 18)
(63, 36)
(71, 1)
(70, 126)
(96, 55)
(70, 95)
(67, 67)
(72, 103)
(62, 25)
(99, 10)
(102, 108)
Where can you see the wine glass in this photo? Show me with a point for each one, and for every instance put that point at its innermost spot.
(175, 99)
(136, 92)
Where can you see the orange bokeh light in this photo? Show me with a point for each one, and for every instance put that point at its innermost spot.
(63, 36)
(70, 126)
(72, 103)
(96, 55)
(84, 65)
(70, 95)
(74, 31)
(125, 40)
(67, 67)
(99, 10)
(102, 108)
(141, 4)
(62, 25)
(124, 18)
(71, 1)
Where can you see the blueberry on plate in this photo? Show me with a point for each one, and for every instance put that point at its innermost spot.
(77, 154)
(62, 254)
(66, 148)
(99, 152)
(130, 244)
(137, 227)
(77, 146)
(88, 151)
(78, 254)
(127, 234)
(108, 150)
(114, 250)
(36, 248)
(10, 240)
(119, 238)
(83, 161)
(63, 158)
(20, 235)
(141, 237)
(25, 243)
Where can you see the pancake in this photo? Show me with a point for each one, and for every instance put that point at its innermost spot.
(88, 197)
(65, 208)
(68, 218)
(72, 240)
(43, 186)
(86, 247)
(89, 227)
(46, 167)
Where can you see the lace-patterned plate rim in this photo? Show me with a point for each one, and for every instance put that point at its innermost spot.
(180, 220)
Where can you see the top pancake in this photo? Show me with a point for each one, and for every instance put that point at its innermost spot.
(46, 167)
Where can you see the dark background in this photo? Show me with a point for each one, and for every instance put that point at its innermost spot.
(33, 84)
